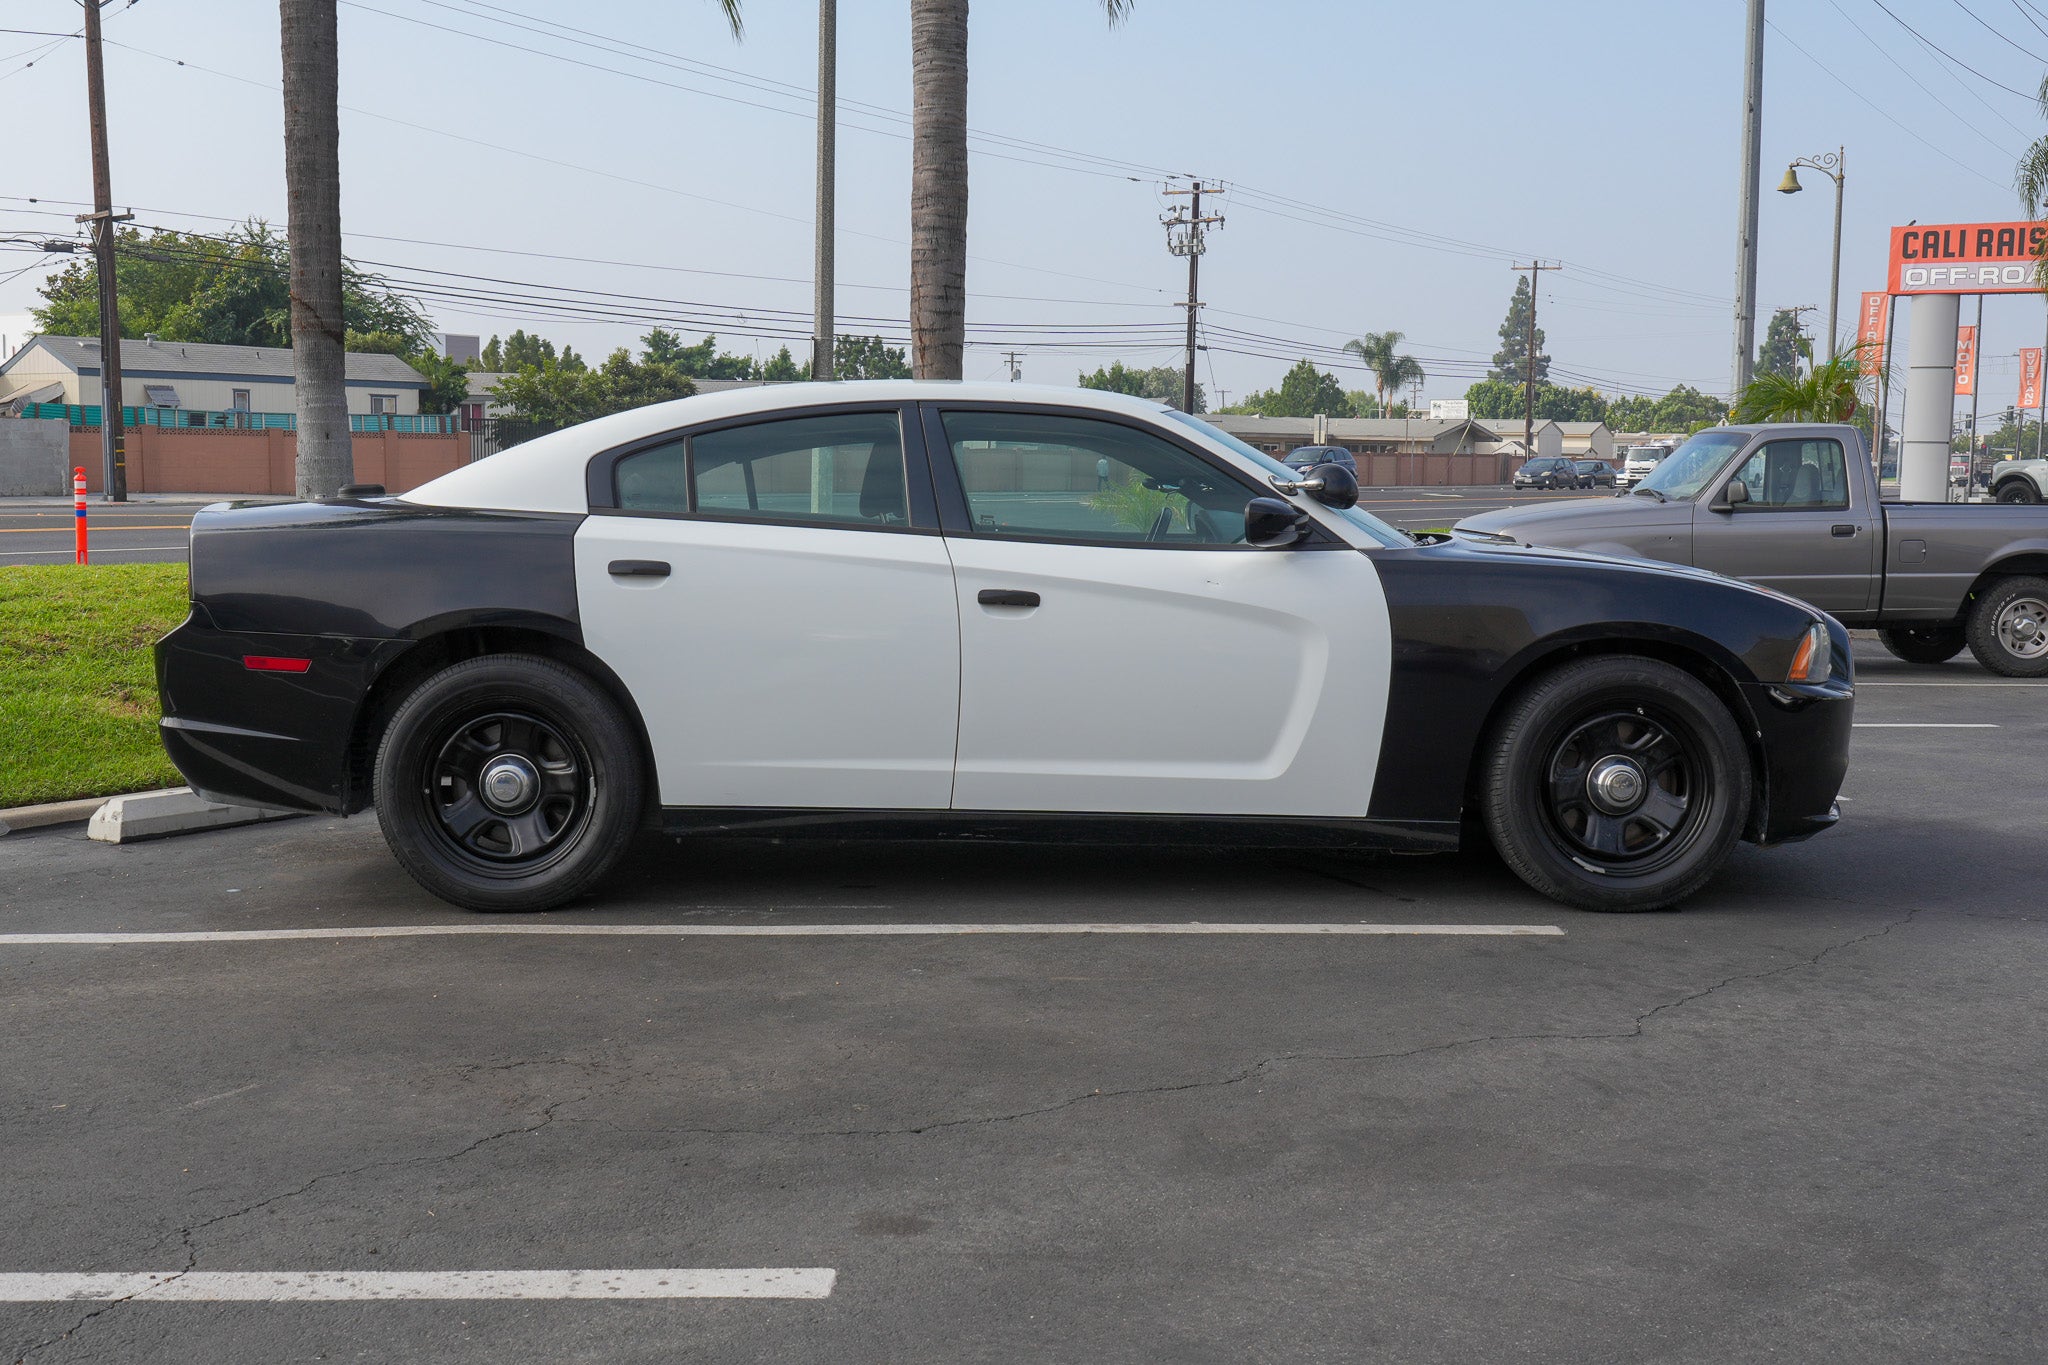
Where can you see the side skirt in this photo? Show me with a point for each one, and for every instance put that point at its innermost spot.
(1064, 827)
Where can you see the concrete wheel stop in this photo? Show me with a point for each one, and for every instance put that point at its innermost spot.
(175, 810)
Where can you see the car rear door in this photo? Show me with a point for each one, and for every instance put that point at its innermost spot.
(1123, 651)
(1801, 532)
(775, 594)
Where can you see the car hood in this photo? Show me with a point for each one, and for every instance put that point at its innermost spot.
(1539, 557)
(1578, 521)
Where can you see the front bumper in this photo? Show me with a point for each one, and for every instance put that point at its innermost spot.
(1804, 732)
(265, 738)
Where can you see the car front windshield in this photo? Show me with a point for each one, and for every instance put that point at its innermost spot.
(1685, 471)
(1364, 521)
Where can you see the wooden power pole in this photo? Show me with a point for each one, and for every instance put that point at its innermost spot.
(113, 446)
(1535, 270)
(1187, 235)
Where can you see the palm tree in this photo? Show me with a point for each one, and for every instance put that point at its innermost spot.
(312, 177)
(1391, 371)
(2031, 176)
(1825, 392)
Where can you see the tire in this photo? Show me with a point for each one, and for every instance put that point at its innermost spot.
(545, 778)
(2008, 627)
(1623, 851)
(2019, 489)
(1924, 644)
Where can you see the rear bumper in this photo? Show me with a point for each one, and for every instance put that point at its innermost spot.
(265, 738)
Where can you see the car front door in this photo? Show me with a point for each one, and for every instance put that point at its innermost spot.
(1798, 532)
(1123, 650)
(776, 596)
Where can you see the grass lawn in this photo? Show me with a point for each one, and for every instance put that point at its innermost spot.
(78, 707)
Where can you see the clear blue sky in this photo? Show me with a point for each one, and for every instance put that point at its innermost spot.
(1452, 138)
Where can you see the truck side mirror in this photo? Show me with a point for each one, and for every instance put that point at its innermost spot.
(1735, 494)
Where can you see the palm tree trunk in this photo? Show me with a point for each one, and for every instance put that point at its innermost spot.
(938, 187)
(312, 175)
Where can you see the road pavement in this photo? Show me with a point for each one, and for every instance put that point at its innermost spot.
(1800, 1118)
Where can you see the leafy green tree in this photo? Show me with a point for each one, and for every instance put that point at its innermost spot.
(1511, 361)
(703, 360)
(868, 357)
(1785, 345)
(782, 368)
(1497, 400)
(1161, 383)
(1304, 391)
(560, 396)
(447, 380)
(1683, 409)
(1391, 371)
(230, 290)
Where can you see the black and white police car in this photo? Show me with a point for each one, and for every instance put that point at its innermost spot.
(911, 608)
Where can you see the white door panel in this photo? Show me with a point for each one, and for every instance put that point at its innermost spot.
(781, 665)
(1218, 682)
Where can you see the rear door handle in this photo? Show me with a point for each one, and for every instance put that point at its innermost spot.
(1006, 597)
(1842, 528)
(638, 568)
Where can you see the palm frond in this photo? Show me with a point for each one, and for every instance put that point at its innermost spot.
(732, 16)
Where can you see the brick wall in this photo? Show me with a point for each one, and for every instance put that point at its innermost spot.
(204, 460)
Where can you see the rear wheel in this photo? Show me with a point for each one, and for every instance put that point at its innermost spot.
(509, 782)
(2018, 490)
(1616, 783)
(2008, 629)
(1924, 644)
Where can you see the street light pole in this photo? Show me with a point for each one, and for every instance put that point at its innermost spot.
(1829, 164)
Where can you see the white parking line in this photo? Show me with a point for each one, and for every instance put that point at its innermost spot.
(332, 1286)
(1862, 683)
(1921, 725)
(764, 931)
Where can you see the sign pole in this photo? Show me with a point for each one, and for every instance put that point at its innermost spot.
(2043, 417)
(1976, 357)
(1884, 375)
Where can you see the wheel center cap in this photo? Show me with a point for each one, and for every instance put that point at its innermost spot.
(1616, 785)
(2024, 627)
(509, 785)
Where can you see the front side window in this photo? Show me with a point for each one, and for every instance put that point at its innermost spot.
(1078, 478)
(1796, 474)
(845, 469)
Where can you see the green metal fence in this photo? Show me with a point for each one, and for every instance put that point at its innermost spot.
(88, 415)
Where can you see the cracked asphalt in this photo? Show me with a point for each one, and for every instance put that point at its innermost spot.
(1801, 1118)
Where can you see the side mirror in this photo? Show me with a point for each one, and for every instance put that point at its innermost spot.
(1338, 486)
(1272, 524)
(1736, 493)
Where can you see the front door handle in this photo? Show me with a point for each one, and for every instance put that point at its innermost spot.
(1006, 597)
(638, 568)
(1842, 528)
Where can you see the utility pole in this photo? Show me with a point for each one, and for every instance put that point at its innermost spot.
(113, 448)
(1535, 269)
(828, 159)
(1014, 361)
(1752, 150)
(1186, 235)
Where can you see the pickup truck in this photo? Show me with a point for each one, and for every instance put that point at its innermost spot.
(2020, 481)
(1795, 507)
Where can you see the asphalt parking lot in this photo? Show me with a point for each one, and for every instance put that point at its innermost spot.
(154, 531)
(1801, 1118)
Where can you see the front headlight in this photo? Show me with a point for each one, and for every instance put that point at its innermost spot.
(1814, 660)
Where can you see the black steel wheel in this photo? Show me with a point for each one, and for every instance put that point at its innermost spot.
(508, 782)
(2019, 489)
(2008, 628)
(1924, 644)
(1616, 783)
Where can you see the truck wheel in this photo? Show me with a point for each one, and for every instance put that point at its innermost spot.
(1616, 783)
(1924, 644)
(2018, 490)
(508, 782)
(2009, 627)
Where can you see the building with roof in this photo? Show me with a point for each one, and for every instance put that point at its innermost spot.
(196, 376)
(1391, 451)
(1587, 440)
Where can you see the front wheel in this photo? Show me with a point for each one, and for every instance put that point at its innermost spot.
(2018, 490)
(2008, 627)
(509, 782)
(1923, 644)
(1616, 783)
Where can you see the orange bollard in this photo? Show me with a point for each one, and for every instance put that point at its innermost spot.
(78, 505)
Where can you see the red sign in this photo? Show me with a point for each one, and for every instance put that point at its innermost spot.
(1870, 330)
(1966, 258)
(2030, 377)
(1966, 361)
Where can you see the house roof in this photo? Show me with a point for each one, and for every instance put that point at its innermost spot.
(195, 359)
(1506, 427)
(1341, 428)
(1581, 428)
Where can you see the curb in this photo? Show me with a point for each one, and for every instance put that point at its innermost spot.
(48, 813)
(175, 810)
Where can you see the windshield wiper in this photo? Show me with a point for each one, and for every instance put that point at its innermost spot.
(1653, 492)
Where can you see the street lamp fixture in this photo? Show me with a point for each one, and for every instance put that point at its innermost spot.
(1828, 164)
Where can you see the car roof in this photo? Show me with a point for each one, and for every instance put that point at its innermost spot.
(546, 474)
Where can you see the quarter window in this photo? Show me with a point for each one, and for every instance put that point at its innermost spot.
(838, 470)
(1796, 474)
(1075, 478)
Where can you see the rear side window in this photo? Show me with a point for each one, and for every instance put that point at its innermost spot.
(844, 469)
